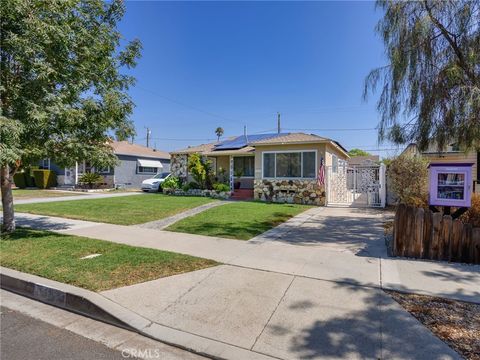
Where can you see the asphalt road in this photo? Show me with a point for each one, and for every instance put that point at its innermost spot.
(23, 337)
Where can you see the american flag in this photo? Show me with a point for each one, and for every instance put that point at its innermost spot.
(321, 174)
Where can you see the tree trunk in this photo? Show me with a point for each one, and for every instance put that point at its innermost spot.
(7, 200)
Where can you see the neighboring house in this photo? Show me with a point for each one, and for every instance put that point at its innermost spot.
(364, 160)
(275, 167)
(452, 154)
(136, 163)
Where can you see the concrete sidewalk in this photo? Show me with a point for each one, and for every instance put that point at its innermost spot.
(82, 196)
(164, 223)
(318, 256)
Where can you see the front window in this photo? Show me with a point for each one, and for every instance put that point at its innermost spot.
(334, 163)
(244, 165)
(298, 164)
(147, 170)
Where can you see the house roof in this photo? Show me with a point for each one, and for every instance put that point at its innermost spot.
(126, 148)
(360, 160)
(246, 144)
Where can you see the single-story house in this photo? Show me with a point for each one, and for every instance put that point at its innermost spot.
(281, 167)
(136, 163)
(452, 154)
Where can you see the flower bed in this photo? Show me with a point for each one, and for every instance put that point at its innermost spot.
(197, 192)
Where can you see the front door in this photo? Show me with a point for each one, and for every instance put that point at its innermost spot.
(69, 176)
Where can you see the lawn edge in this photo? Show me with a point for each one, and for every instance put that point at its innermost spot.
(98, 307)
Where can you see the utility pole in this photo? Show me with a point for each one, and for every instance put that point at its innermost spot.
(148, 137)
(278, 122)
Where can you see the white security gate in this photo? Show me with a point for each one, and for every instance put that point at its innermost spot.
(362, 186)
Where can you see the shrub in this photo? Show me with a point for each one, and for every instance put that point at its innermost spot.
(20, 180)
(220, 187)
(44, 179)
(409, 180)
(472, 216)
(201, 170)
(171, 183)
(30, 180)
(90, 179)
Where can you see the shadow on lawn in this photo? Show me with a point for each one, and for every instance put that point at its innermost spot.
(42, 223)
(382, 329)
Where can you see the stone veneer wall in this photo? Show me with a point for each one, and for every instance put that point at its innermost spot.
(289, 191)
(178, 166)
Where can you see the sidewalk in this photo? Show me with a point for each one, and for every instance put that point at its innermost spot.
(345, 262)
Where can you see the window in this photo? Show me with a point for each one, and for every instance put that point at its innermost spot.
(85, 167)
(45, 164)
(334, 163)
(295, 164)
(147, 170)
(103, 170)
(245, 164)
(268, 165)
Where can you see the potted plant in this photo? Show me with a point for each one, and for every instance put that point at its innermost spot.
(238, 175)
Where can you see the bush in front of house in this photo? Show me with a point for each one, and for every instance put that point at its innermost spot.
(221, 187)
(44, 179)
(172, 183)
(472, 216)
(20, 180)
(409, 180)
(201, 170)
(90, 179)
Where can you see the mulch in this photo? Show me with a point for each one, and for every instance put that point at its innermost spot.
(457, 323)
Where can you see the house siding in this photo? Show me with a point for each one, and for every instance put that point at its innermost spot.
(126, 171)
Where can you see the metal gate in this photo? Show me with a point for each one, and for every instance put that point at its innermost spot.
(358, 186)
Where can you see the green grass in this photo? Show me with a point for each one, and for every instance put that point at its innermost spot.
(37, 193)
(123, 210)
(241, 220)
(57, 257)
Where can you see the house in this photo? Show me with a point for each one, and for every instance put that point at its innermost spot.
(136, 163)
(364, 160)
(452, 154)
(281, 167)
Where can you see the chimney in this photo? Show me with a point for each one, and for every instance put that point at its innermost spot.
(278, 122)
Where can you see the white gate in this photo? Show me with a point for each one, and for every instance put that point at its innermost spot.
(361, 186)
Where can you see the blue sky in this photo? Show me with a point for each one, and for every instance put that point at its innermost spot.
(230, 64)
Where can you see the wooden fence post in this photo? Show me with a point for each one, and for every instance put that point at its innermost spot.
(437, 228)
(445, 237)
(399, 230)
(455, 249)
(475, 245)
(466, 242)
(427, 234)
(418, 232)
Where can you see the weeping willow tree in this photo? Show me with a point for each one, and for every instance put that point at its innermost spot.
(430, 90)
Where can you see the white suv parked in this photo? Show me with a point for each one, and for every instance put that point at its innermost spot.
(154, 183)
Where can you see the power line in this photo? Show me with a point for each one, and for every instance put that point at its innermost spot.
(338, 129)
(186, 105)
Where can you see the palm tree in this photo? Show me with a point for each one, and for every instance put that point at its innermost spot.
(219, 132)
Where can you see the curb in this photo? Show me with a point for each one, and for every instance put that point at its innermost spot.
(95, 306)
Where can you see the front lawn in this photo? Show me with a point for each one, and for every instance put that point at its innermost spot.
(58, 257)
(123, 210)
(240, 220)
(19, 194)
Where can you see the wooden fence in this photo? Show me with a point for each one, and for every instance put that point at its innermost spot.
(421, 233)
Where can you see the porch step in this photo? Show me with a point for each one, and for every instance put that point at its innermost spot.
(242, 194)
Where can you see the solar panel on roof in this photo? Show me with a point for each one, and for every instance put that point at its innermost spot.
(242, 141)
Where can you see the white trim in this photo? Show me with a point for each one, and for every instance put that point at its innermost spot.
(301, 164)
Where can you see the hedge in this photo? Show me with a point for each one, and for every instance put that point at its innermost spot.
(44, 179)
(20, 180)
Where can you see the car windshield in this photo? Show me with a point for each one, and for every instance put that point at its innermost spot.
(161, 175)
